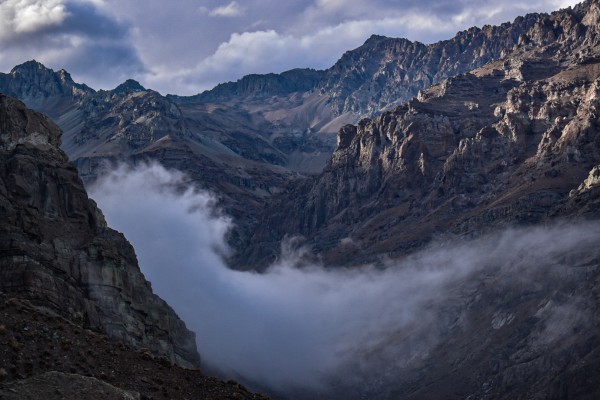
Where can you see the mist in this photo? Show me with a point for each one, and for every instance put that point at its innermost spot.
(312, 328)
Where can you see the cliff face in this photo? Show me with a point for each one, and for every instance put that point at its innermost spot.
(56, 250)
(386, 71)
(510, 142)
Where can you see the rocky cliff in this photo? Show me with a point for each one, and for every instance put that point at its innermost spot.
(510, 142)
(57, 252)
(387, 71)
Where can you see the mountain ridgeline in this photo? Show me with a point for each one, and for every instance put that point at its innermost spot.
(251, 139)
(509, 142)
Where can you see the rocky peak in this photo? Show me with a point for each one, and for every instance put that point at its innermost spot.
(41, 88)
(33, 67)
(129, 85)
(388, 71)
(385, 72)
(57, 252)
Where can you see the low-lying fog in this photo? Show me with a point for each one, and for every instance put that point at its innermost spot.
(294, 328)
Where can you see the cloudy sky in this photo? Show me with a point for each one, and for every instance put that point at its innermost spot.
(186, 46)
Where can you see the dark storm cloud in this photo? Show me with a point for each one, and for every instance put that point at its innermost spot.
(86, 19)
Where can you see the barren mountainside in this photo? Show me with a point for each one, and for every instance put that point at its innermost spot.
(509, 142)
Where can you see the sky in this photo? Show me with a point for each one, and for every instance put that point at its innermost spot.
(187, 46)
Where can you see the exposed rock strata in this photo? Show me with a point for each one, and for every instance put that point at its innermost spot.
(57, 251)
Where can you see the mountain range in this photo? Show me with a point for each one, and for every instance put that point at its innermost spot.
(397, 146)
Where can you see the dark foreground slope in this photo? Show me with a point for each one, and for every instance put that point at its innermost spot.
(43, 355)
(72, 271)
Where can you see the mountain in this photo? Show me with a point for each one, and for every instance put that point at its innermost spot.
(507, 143)
(224, 152)
(75, 305)
(250, 139)
(514, 142)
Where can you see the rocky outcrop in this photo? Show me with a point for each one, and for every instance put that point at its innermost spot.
(52, 384)
(56, 250)
(43, 355)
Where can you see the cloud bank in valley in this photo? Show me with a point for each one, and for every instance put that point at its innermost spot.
(187, 46)
(293, 328)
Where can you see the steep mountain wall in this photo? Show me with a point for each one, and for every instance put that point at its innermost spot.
(56, 250)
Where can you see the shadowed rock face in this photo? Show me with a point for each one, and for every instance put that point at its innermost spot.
(56, 250)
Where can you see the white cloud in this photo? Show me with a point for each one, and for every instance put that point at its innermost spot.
(73, 34)
(28, 16)
(232, 9)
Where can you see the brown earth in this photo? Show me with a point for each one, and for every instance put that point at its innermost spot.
(35, 341)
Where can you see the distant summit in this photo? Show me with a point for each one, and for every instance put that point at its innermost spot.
(129, 85)
(39, 86)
